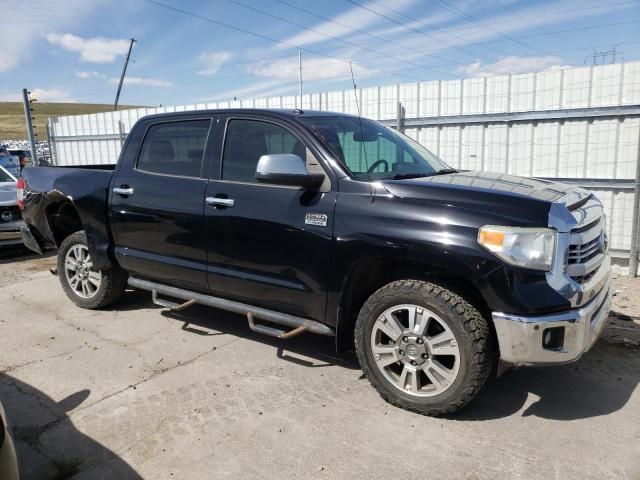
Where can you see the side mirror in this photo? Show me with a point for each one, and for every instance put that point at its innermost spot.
(286, 169)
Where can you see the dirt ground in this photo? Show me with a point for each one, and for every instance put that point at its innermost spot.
(136, 392)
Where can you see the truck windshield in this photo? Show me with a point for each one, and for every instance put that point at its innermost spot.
(372, 151)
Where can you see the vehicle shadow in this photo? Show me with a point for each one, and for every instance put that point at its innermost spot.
(600, 383)
(310, 350)
(33, 415)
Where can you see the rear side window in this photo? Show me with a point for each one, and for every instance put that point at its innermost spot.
(174, 148)
(247, 140)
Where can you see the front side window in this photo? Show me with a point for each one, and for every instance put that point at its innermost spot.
(247, 140)
(174, 148)
(372, 151)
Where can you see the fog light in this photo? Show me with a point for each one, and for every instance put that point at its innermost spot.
(553, 338)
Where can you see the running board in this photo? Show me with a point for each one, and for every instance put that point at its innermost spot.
(173, 306)
(250, 311)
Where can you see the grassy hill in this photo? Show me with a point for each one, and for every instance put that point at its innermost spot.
(12, 125)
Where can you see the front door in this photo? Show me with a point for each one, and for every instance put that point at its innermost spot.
(156, 209)
(269, 245)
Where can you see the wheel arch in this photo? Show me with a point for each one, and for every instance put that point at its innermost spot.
(369, 274)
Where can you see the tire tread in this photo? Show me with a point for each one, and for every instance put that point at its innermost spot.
(472, 322)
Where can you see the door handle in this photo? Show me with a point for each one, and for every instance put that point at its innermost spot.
(219, 202)
(123, 190)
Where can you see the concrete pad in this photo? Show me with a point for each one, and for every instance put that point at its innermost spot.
(132, 392)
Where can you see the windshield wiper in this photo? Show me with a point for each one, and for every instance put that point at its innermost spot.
(405, 176)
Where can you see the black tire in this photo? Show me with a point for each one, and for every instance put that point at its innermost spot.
(471, 333)
(112, 285)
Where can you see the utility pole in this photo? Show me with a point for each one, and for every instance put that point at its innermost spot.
(300, 74)
(124, 71)
(26, 100)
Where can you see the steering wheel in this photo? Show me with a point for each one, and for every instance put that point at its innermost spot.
(376, 164)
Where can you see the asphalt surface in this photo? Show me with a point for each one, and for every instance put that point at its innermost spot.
(134, 392)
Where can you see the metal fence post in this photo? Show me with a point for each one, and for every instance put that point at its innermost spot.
(400, 117)
(29, 123)
(633, 254)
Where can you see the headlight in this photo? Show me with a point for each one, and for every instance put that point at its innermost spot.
(523, 247)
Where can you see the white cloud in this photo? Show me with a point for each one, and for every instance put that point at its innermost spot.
(36, 17)
(145, 82)
(254, 90)
(42, 94)
(312, 69)
(511, 64)
(92, 74)
(344, 23)
(52, 95)
(212, 62)
(94, 50)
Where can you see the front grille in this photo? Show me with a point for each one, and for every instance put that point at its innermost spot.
(9, 214)
(587, 249)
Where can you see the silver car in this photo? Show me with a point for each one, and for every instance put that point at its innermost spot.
(8, 460)
(9, 162)
(10, 216)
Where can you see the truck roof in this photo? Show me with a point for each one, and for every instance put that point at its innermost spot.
(279, 112)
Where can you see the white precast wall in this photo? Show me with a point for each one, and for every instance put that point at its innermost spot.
(571, 147)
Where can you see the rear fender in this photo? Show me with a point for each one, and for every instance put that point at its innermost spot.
(51, 191)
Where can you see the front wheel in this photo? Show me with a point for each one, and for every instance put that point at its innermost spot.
(423, 347)
(84, 285)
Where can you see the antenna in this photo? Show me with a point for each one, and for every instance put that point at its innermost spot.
(364, 150)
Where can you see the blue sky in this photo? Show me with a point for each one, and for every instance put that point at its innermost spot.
(73, 50)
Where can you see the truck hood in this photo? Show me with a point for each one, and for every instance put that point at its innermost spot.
(525, 199)
(8, 194)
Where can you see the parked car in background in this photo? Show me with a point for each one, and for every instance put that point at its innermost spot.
(332, 224)
(24, 157)
(10, 216)
(9, 162)
(8, 461)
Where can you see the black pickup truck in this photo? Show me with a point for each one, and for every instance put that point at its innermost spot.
(335, 225)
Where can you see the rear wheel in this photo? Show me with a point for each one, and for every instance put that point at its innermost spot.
(423, 347)
(83, 284)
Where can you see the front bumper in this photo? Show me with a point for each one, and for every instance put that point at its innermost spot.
(552, 339)
(10, 237)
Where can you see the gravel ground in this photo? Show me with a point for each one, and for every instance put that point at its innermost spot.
(18, 263)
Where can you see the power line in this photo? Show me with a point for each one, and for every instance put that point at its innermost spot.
(90, 93)
(473, 19)
(277, 17)
(448, 62)
(543, 15)
(422, 32)
(271, 39)
(363, 32)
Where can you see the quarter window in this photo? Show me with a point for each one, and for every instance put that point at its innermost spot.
(247, 140)
(174, 148)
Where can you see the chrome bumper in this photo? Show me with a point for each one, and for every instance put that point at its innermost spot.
(524, 340)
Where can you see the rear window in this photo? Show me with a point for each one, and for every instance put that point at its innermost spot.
(174, 148)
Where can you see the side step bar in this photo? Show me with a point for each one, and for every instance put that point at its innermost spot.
(251, 312)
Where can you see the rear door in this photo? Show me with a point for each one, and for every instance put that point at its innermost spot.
(269, 245)
(157, 201)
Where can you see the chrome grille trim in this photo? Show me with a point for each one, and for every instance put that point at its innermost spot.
(586, 251)
(581, 264)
